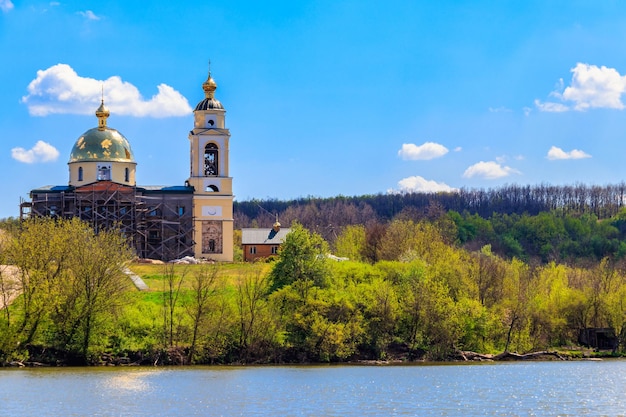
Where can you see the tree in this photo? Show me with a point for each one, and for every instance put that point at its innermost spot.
(72, 281)
(40, 250)
(301, 258)
(351, 242)
(172, 284)
(256, 329)
(98, 265)
(203, 288)
(381, 313)
(518, 290)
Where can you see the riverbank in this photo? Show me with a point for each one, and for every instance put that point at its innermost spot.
(177, 357)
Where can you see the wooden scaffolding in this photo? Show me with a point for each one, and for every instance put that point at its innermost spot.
(157, 221)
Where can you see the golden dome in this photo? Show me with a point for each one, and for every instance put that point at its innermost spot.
(102, 143)
(209, 102)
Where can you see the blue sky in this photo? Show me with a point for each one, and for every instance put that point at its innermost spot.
(323, 98)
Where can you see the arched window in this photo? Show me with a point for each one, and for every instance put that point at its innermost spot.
(212, 188)
(210, 160)
(80, 173)
(104, 173)
(126, 175)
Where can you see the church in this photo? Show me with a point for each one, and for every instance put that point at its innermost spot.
(166, 223)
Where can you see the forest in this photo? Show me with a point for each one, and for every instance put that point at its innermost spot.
(574, 224)
(424, 281)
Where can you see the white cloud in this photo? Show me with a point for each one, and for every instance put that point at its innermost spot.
(595, 87)
(6, 6)
(89, 15)
(558, 153)
(428, 150)
(59, 89)
(417, 184)
(591, 87)
(41, 152)
(550, 107)
(489, 170)
(458, 149)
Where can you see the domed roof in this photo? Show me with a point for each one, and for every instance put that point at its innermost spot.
(209, 102)
(102, 143)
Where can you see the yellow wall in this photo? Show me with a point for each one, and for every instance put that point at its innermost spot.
(90, 172)
(215, 208)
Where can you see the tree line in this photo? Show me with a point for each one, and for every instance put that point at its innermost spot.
(575, 224)
(601, 201)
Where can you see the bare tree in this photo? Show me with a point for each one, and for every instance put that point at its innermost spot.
(203, 287)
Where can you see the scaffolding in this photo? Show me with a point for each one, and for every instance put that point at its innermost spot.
(157, 221)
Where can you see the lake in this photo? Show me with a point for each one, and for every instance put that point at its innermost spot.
(583, 388)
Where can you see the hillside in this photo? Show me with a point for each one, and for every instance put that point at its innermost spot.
(542, 223)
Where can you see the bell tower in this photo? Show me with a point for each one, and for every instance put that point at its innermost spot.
(209, 176)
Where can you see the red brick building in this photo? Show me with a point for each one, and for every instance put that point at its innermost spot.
(261, 243)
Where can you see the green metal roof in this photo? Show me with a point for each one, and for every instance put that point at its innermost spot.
(102, 145)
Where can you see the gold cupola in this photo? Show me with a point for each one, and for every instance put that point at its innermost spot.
(209, 102)
(102, 113)
(102, 154)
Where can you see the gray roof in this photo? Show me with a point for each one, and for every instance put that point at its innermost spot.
(263, 236)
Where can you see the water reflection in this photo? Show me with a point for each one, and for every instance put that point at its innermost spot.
(131, 381)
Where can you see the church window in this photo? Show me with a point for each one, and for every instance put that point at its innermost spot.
(104, 173)
(210, 160)
(126, 174)
(211, 245)
(213, 188)
(80, 173)
(180, 210)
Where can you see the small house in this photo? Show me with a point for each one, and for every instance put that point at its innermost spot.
(262, 242)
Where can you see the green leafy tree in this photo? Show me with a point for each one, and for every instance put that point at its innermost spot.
(351, 242)
(72, 281)
(98, 272)
(381, 310)
(301, 258)
(41, 252)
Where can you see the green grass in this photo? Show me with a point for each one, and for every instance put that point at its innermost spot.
(155, 275)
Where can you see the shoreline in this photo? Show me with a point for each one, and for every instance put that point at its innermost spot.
(464, 357)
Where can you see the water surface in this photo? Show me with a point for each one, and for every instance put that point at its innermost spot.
(502, 389)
